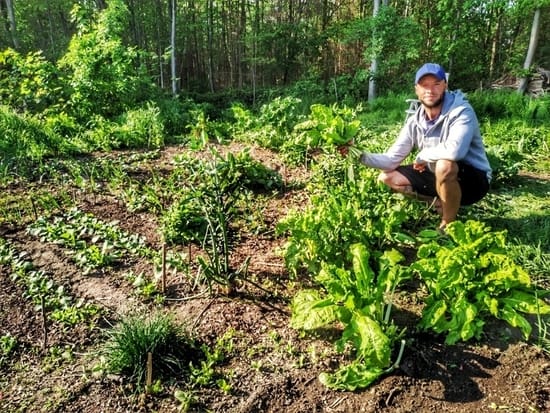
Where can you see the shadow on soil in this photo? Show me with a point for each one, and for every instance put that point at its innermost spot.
(455, 367)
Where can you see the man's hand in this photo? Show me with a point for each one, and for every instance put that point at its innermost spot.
(419, 166)
(344, 149)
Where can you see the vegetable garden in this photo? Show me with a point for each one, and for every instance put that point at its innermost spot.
(245, 265)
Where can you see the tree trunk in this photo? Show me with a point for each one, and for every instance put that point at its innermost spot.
(374, 61)
(13, 25)
(210, 46)
(173, 50)
(535, 28)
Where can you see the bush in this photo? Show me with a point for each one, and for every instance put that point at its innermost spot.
(28, 83)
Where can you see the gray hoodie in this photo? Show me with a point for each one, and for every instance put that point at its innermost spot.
(454, 135)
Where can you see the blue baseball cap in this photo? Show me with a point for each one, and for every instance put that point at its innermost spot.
(430, 69)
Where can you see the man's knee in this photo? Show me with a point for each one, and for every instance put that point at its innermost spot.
(385, 178)
(446, 170)
(396, 181)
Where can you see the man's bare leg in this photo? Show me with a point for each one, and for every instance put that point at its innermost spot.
(399, 183)
(448, 189)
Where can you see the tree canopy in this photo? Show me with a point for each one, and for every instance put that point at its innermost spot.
(238, 44)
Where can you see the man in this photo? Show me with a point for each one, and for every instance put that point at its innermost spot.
(451, 167)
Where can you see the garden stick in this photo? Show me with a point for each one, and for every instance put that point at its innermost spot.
(149, 379)
(44, 325)
(34, 209)
(163, 283)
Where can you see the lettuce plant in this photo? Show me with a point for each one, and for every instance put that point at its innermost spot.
(359, 299)
(469, 278)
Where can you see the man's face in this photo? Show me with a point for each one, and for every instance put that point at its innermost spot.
(430, 91)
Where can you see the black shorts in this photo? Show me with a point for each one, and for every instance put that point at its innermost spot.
(473, 182)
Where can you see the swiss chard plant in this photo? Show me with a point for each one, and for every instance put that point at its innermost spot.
(360, 300)
(325, 128)
(341, 215)
(470, 278)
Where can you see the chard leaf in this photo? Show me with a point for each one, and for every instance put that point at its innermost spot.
(526, 303)
(371, 343)
(463, 323)
(513, 318)
(351, 377)
(433, 316)
(309, 311)
(427, 250)
(364, 275)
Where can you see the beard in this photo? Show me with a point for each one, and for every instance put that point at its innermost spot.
(434, 104)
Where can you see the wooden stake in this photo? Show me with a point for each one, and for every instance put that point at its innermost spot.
(44, 324)
(163, 284)
(149, 379)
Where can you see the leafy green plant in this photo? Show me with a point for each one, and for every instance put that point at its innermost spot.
(205, 374)
(325, 128)
(101, 69)
(28, 83)
(129, 342)
(341, 215)
(505, 165)
(470, 277)
(27, 143)
(359, 299)
(93, 243)
(43, 291)
(8, 344)
(207, 206)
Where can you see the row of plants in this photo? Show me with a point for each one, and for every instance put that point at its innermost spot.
(53, 300)
(347, 241)
(284, 124)
(94, 243)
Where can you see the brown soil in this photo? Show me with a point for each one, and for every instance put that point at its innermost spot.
(271, 368)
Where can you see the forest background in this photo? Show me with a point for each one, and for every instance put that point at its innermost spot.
(248, 47)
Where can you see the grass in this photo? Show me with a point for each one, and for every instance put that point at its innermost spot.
(129, 343)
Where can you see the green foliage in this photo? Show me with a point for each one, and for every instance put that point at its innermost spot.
(470, 278)
(220, 180)
(204, 373)
(359, 299)
(513, 145)
(270, 127)
(42, 291)
(28, 83)
(510, 105)
(362, 211)
(282, 113)
(103, 73)
(93, 244)
(129, 342)
(325, 128)
(134, 129)
(505, 164)
(393, 39)
(206, 206)
(8, 344)
(26, 142)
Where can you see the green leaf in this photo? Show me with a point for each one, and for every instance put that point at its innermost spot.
(526, 303)
(513, 318)
(309, 311)
(351, 377)
(433, 316)
(371, 343)
(364, 275)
